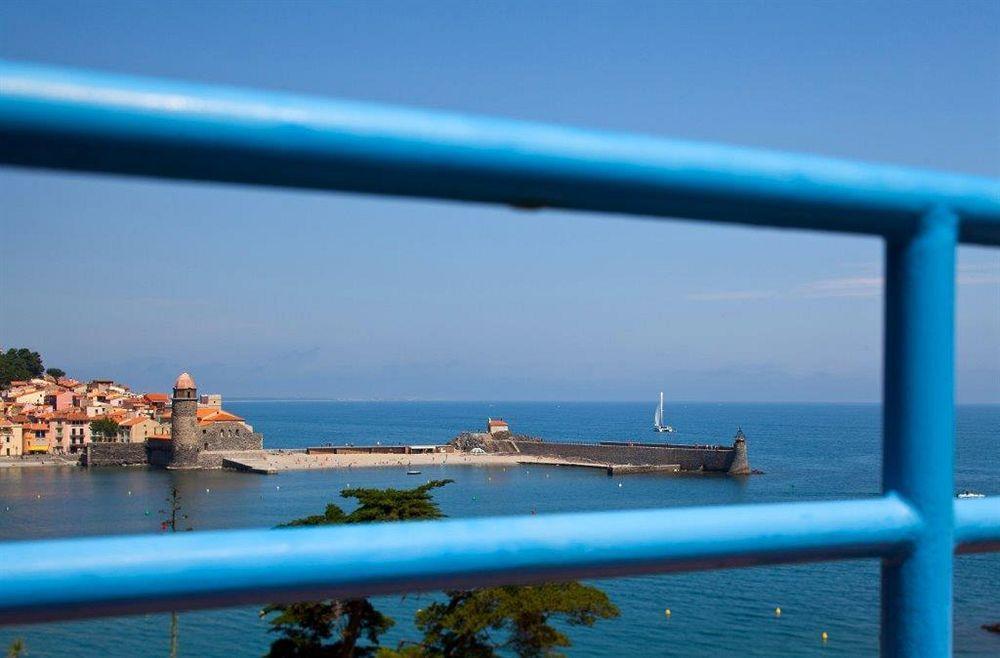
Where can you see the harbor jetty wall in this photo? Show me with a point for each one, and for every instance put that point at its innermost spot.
(715, 459)
(625, 456)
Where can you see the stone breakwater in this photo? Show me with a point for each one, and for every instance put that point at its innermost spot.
(706, 459)
(617, 456)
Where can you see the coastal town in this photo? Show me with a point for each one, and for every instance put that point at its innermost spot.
(48, 418)
(58, 417)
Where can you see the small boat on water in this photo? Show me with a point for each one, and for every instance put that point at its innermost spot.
(968, 493)
(413, 472)
(658, 425)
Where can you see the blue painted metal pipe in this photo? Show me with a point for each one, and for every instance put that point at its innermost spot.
(919, 444)
(78, 120)
(65, 119)
(132, 574)
(977, 525)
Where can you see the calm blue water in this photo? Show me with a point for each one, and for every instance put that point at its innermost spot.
(809, 452)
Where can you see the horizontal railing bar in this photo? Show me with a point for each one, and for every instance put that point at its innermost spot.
(977, 525)
(58, 579)
(77, 120)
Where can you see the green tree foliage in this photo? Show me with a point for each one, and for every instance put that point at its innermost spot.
(55, 372)
(17, 649)
(332, 516)
(104, 427)
(515, 619)
(481, 623)
(16, 364)
(307, 627)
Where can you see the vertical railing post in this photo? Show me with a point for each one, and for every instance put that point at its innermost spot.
(918, 426)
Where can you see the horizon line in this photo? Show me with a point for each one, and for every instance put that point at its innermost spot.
(577, 401)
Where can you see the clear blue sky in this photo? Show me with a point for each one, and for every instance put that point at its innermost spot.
(275, 293)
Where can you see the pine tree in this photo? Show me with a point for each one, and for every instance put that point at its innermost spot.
(480, 623)
(307, 627)
(511, 619)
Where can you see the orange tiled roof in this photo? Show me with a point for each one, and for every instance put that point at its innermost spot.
(209, 415)
(157, 397)
(498, 422)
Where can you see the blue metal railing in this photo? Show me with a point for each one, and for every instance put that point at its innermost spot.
(73, 120)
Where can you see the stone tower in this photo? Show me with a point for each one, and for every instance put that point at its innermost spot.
(741, 463)
(184, 423)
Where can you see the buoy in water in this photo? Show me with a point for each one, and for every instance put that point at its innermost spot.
(824, 636)
(619, 484)
(666, 613)
(777, 612)
(207, 489)
(130, 493)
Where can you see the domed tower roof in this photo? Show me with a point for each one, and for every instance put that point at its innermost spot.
(184, 381)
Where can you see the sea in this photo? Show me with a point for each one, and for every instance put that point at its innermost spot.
(807, 452)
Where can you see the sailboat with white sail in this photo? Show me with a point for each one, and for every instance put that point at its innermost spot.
(658, 418)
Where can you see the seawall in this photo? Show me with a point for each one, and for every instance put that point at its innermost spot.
(121, 454)
(717, 459)
(157, 452)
